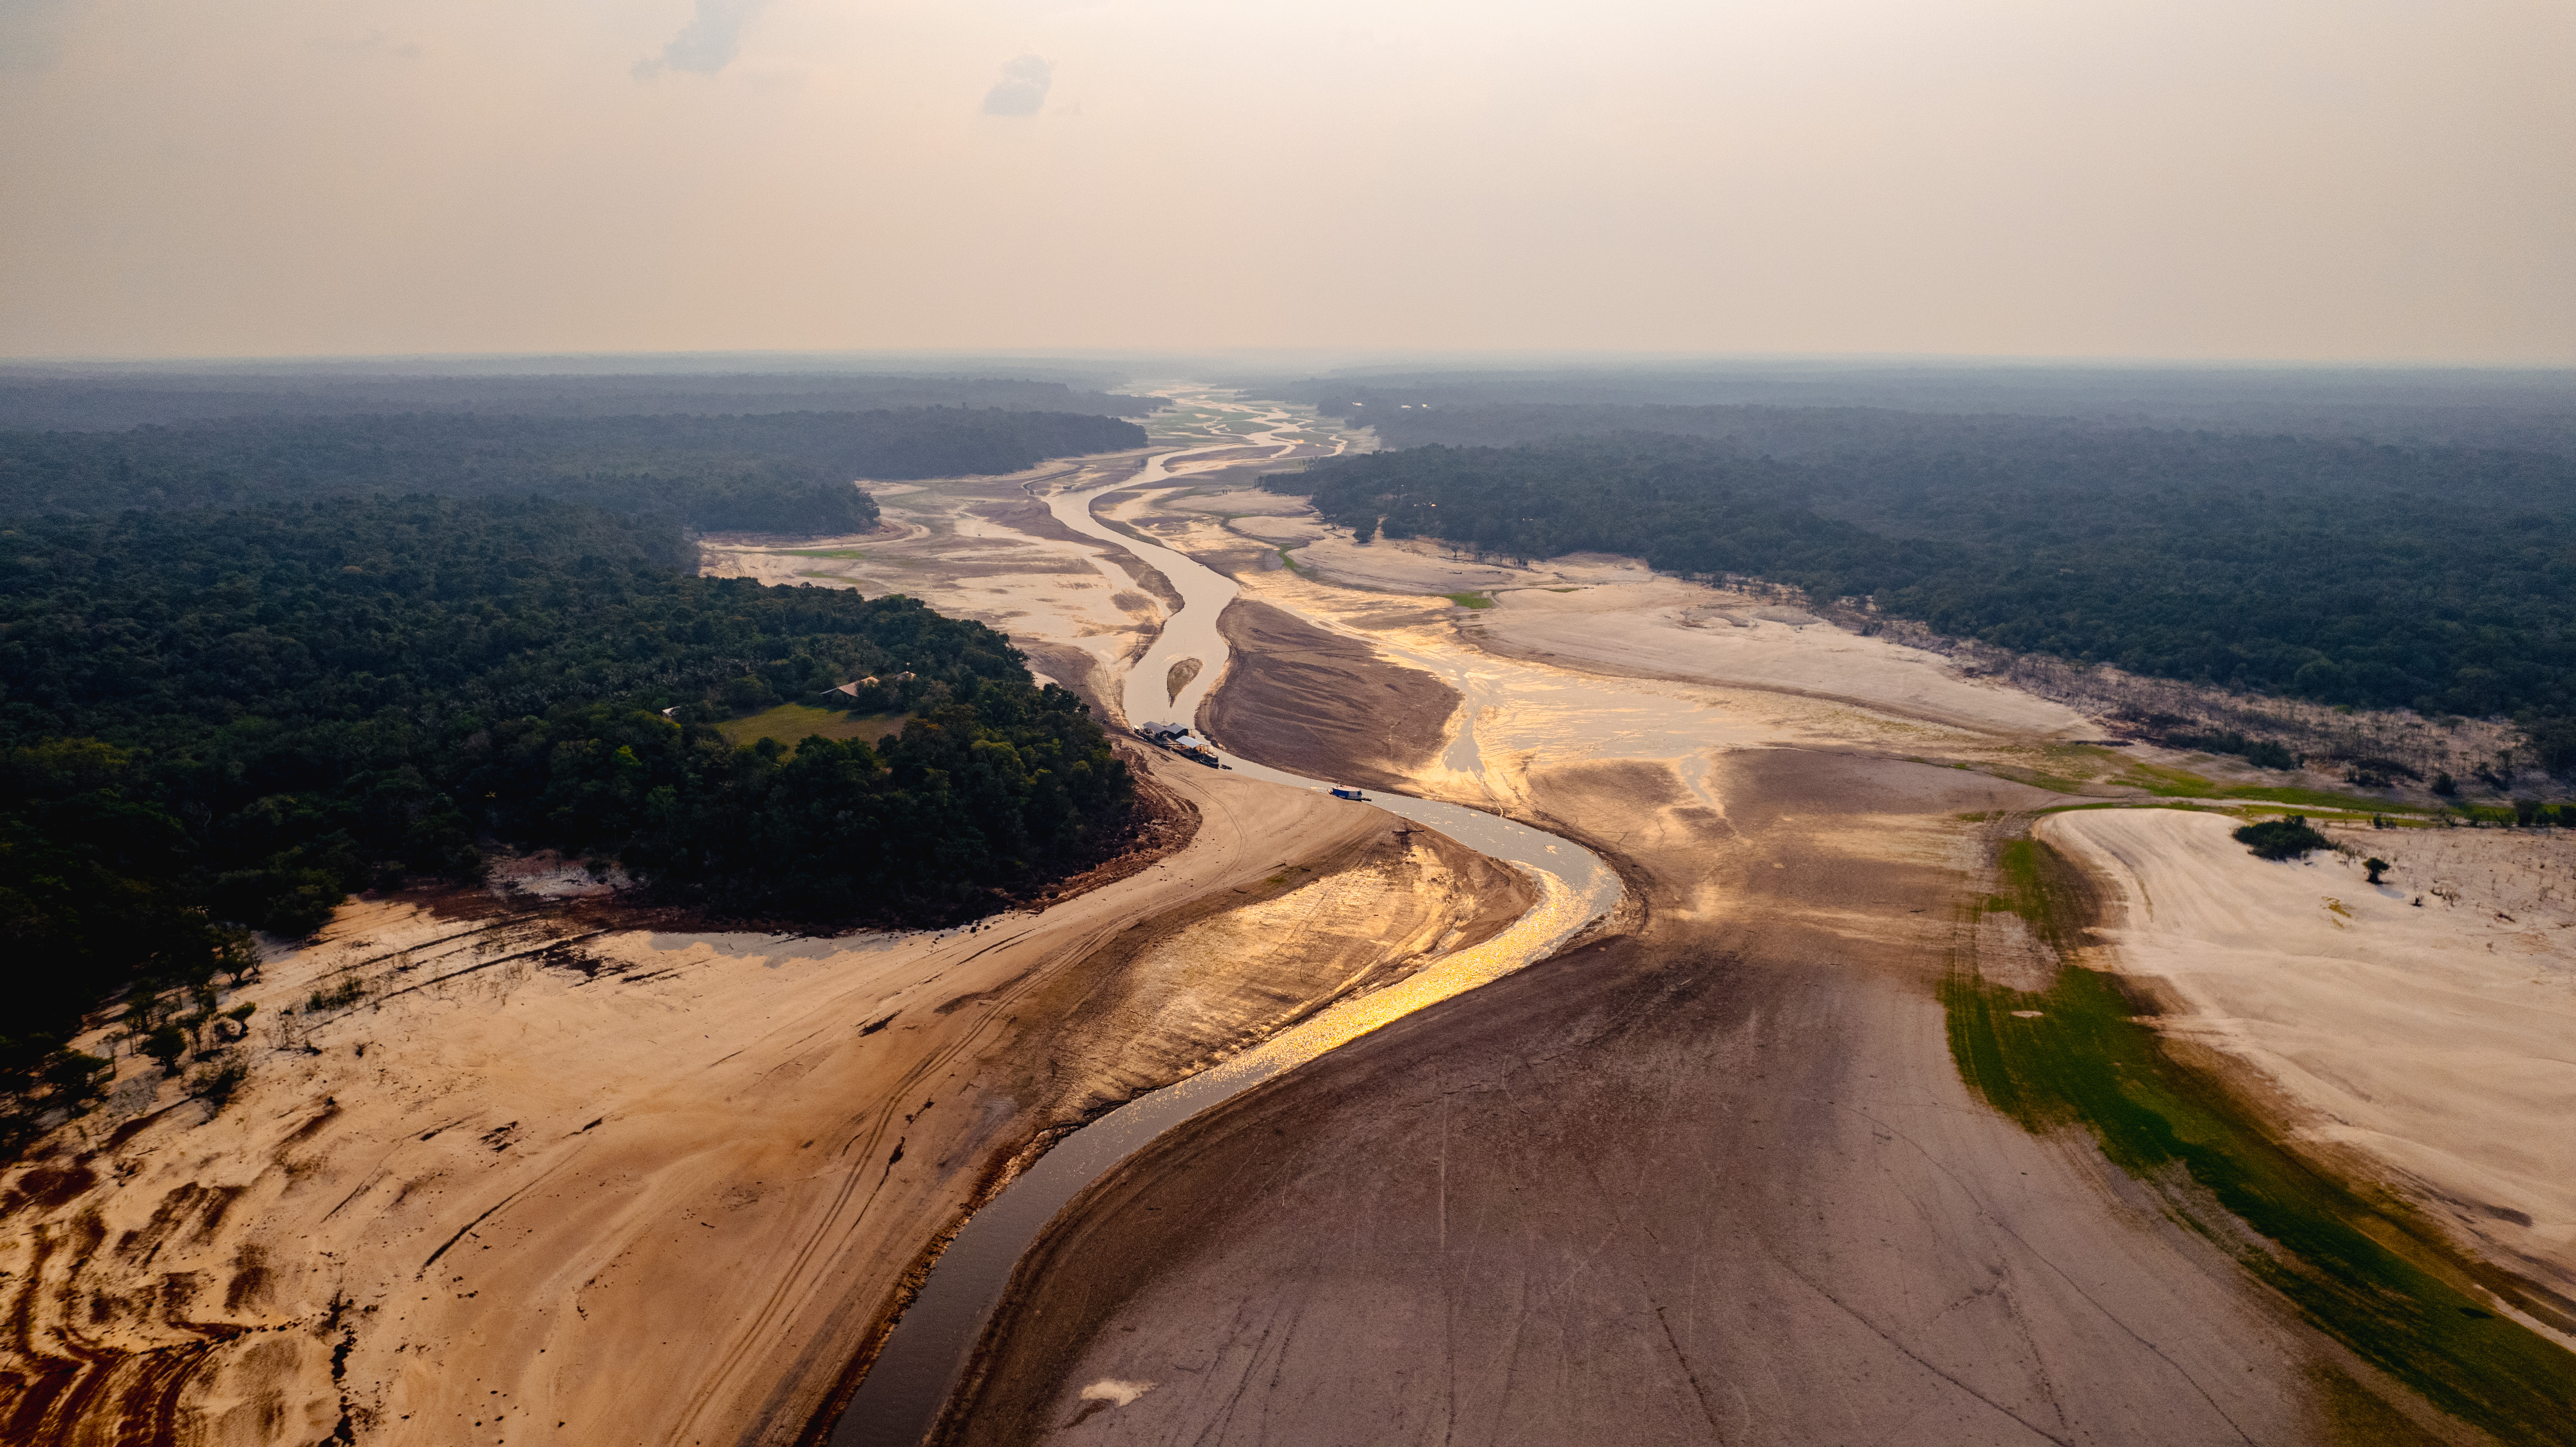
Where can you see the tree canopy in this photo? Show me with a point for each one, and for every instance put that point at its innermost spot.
(242, 715)
(779, 472)
(2438, 578)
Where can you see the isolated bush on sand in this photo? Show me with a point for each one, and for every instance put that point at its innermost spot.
(2286, 838)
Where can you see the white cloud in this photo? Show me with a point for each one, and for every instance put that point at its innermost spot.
(1022, 88)
(707, 44)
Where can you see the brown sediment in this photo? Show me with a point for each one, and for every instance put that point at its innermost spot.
(1323, 705)
(1716, 1179)
(1182, 671)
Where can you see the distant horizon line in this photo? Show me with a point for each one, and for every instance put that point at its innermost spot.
(1310, 359)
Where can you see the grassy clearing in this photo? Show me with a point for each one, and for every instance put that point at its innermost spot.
(2366, 1271)
(1469, 600)
(1291, 562)
(791, 723)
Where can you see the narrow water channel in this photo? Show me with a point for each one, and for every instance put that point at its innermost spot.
(900, 1401)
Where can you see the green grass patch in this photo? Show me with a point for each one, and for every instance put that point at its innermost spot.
(2167, 783)
(791, 723)
(1291, 563)
(1469, 600)
(2366, 1271)
(2321, 799)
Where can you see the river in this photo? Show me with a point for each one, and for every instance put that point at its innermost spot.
(900, 1401)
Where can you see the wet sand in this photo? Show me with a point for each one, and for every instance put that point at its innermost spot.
(1295, 691)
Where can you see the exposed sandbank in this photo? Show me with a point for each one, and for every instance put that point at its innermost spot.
(2427, 1046)
(1290, 679)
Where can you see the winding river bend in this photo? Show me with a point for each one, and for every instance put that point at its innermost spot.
(900, 1401)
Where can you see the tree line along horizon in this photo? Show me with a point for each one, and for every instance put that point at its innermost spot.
(2433, 578)
(249, 665)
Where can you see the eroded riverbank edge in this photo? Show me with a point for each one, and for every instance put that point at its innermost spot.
(1459, 899)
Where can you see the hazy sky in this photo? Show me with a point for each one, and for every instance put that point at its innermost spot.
(2346, 179)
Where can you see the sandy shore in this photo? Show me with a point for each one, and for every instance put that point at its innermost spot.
(2427, 1044)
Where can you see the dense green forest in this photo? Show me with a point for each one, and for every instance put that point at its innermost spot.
(781, 472)
(239, 716)
(93, 399)
(2438, 578)
(1758, 431)
(2460, 406)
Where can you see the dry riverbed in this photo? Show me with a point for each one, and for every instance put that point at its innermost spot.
(1718, 1177)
